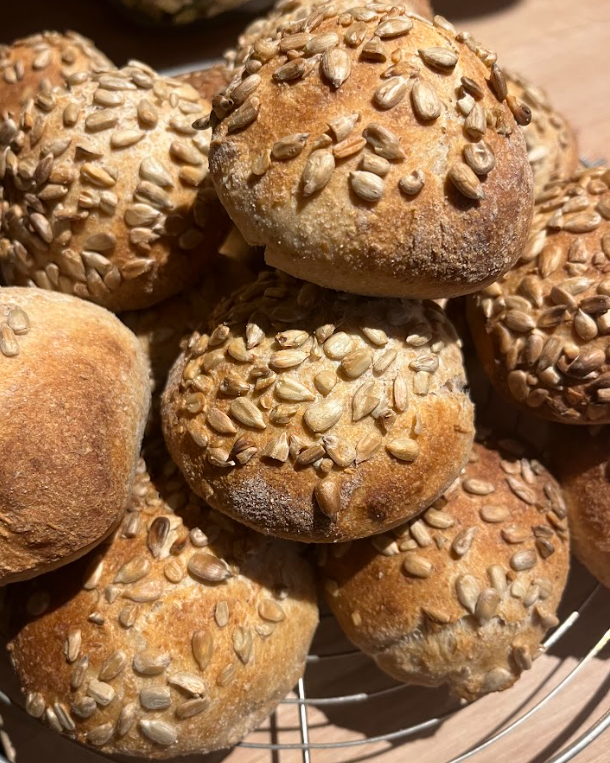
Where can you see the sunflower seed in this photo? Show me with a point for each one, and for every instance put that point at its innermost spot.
(244, 411)
(477, 486)
(440, 58)
(328, 497)
(290, 71)
(338, 345)
(417, 566)
(487, 605)
(356, 362)
(271, 611)
(72, 646)
(498, 82)
(242, 644)
(394, 27)
(289, 146)
(208, 568)
(101, 692)
(426, 103)
(112, 666)
(497, 578)
(523, 560)
(412, 184)
(202, 645)
(439, 519)
(155, 697)
(283, 359)
(390, 93)
(494, 514)
(159, 732)
(384, 142)
(468, 591)
(521, 111)
(244, 115)
(288, 388)
(404, 449)
(343, 126)
(336, 66)
(463, 541)
(134, 570)
(476, 122)
(318, 171)
(348, 147)
(322, 416)
(374, 50)
(479, 157)
(367, 446)
(150, 662)
(321, 42)
(341, 451)
(466, 182)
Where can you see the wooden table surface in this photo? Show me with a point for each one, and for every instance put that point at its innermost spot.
(561, 45)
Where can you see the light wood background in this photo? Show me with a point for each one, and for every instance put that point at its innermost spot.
(563, 46)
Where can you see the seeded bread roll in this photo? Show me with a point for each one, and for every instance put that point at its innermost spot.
(178, 636)
(374, 153)
(110, 198)
(319, 416)
(581, 459)
(207, 81)
(32, 66)
(287, 13)
(543, 331)
(550, 140)
(74, 397)
(463, 595)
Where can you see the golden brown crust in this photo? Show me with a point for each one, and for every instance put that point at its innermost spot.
(342, 204)
(108, 191)
(208, 81)
(464, 594)
(35, 64)
(542, 331)
(551, 142)
(120, 626)
(319, 416)
(581, 459)
(74, 398)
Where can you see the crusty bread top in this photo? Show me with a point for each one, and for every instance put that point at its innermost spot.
(319, 415)
(543, 330)
(550, 139)
(375, 153)
(116, 204)
(32, 66)
(581, 459)
(179, 635)
(74, 397)
(492, 553)
(285, 13)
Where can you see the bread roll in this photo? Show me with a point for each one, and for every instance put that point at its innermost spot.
(464, 594)
(32, 66)
(542, 331)
(207, 81)
(550, 140)
(370, 153)
(581, 459)
(178, 12)
(319, 416)
(179, 636)
(109, 198)
(73, 402)
(286, 13)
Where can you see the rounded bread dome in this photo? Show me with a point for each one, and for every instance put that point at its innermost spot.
(31, 67)
(375, 153)
(74, 396)
(543, 330)
(581, 459)
(316, 415)
(180, 635)
(551, 143)
(463, 594)
(285, 13)
(107, 194)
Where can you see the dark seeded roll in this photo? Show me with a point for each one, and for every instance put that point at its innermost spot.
(542, 332)
(375, 152)
(464, 594)
(319, 416)
(178, 636)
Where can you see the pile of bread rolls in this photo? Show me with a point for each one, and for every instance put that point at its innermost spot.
(296, 379)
